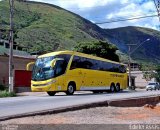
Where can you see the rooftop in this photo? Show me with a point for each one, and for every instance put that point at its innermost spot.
(17, 53)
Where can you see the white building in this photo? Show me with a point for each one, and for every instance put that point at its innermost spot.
(140, 81)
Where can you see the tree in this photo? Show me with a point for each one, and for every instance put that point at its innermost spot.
(98, 48)
(157, 75)
(150, 72)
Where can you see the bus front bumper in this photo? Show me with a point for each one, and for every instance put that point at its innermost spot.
(43, 86)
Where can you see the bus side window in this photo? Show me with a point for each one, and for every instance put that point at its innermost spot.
(75, 63)
(87, 63)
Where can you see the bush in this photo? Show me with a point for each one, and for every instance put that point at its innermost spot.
(98, 48)
(5, 93)
(2, 87)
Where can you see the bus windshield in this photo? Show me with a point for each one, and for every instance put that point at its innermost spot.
(43, 70)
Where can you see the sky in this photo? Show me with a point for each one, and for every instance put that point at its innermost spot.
(108, 10)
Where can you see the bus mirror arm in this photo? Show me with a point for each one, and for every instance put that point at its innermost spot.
(28, 65)
(53, 62)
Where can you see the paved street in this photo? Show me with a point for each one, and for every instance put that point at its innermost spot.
(39, 102)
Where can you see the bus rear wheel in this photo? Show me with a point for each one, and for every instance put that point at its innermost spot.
(112, 88)
(70, 89)
(118, 87)
(51, 93)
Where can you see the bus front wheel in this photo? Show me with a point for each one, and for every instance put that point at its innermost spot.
(70, 89)
(51, 93)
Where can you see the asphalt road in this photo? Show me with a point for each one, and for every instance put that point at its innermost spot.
(26, 104)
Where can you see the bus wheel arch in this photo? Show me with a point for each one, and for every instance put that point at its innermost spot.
(112, 87)
(118, 87)
(71, 88)
(51, 93)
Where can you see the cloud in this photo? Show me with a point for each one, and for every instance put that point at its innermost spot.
(106, 10)
(80, 3)
(77, 3)
(132, 10)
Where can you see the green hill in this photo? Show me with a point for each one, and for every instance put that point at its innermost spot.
(45, 28)
(147, 51)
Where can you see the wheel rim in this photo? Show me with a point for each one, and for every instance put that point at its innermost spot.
(112, 88)
(70, 89)
(117, 88)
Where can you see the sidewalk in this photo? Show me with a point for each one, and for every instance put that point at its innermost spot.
(45, 93)
(63, 93)
(31, 94)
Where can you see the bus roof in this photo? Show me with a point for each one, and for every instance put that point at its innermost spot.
(56, 53)
(78, 54)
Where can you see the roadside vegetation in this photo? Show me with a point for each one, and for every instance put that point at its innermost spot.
(98, 48)
(5, 93)
(151, 71)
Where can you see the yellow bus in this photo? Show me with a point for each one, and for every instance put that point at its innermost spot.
(69, 71)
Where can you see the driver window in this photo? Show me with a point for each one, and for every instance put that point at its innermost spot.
(60, 67)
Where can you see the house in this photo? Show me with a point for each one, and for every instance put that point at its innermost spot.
(137, 76)
(20, 60)
(140, 81)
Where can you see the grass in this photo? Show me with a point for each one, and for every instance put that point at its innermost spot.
(5, 93)
(44, 28)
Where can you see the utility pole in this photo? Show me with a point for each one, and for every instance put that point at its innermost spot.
(129, 59)
(11, 67)
(129, 62)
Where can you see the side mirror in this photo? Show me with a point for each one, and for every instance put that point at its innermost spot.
(29, 65)
(53, 62)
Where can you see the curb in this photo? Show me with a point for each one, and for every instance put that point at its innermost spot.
(135, 102)
(131, 102)
(58, 110)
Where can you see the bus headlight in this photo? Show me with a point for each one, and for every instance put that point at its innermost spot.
(53, 81)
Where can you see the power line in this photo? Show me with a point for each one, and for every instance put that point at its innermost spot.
(121, 20)
(127, 16)
(157, 5)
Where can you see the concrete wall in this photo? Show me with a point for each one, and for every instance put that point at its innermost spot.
(140, 81)
(19, 64)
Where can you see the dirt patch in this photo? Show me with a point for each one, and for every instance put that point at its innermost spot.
(145, 112)
(47, 119)
(154, 109)
(132, 114)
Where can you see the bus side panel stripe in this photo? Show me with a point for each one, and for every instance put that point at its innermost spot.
(94, 88)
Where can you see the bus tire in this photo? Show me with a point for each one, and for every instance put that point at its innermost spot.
(51, 93)
(112, 88)
(70, 89)
(118, 87)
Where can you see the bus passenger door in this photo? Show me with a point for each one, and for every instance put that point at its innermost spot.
(75, 72)
(59, 72)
